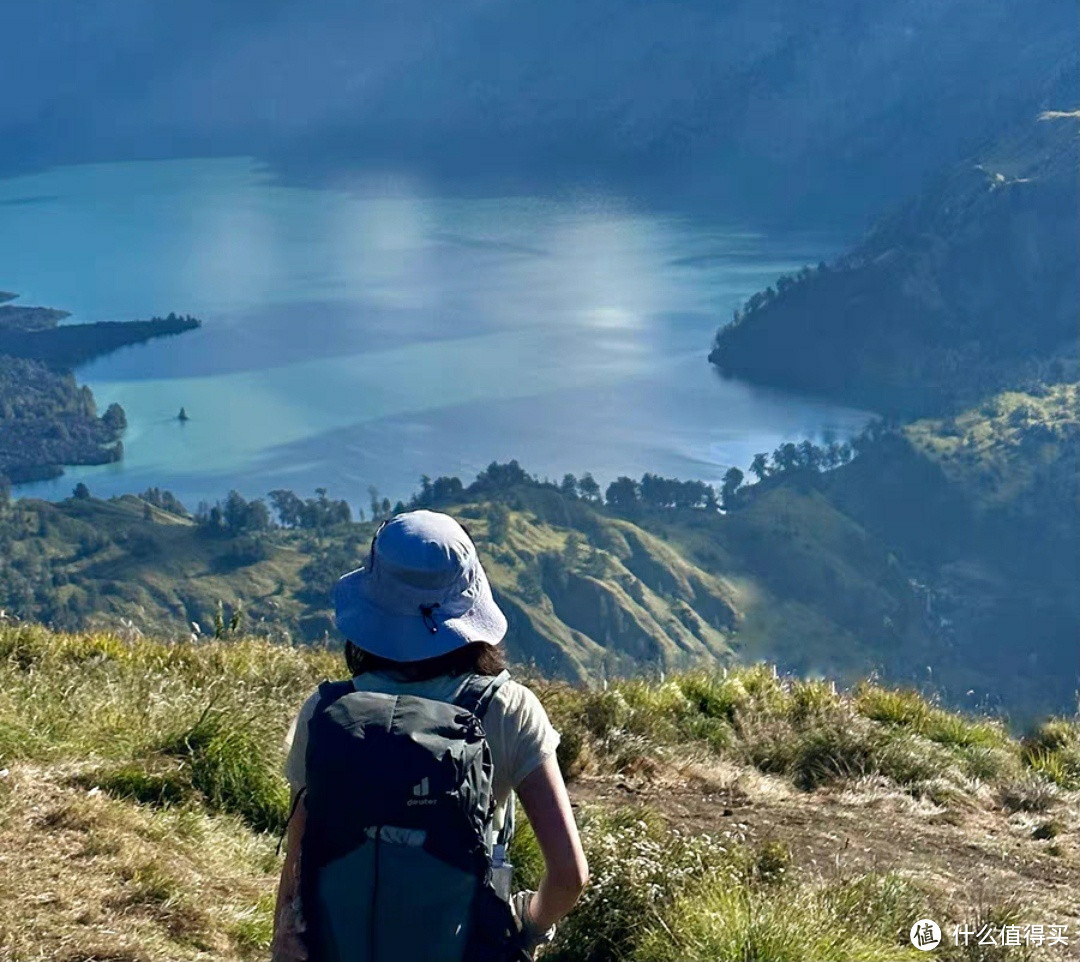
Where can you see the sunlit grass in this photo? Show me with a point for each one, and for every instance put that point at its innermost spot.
(154, 773)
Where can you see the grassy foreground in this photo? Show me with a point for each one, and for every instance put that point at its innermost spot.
(139, 794)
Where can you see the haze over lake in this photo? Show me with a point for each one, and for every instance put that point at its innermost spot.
(367, 336)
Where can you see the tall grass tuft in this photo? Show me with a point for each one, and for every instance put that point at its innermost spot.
(233, 770)
(864, 918)
(1053, 750)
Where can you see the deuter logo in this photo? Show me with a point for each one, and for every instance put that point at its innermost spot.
(421, 792)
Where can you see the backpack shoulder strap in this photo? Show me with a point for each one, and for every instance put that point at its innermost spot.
(479, 690)
(330, 692)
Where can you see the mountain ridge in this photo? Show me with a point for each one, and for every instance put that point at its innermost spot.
(748, 102)
(910, 554)
(923, 315)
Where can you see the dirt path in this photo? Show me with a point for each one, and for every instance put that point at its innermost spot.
(976, 856)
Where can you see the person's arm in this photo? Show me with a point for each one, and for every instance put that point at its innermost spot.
(287, 946)
(546, 802)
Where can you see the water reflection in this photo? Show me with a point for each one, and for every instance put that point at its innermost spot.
(354, 339)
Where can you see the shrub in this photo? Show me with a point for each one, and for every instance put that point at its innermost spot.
(638, 867)
(217, 763)
(804, 730)
(909, 709)
(977, 917)
(1028, 793)
(1054, 751)
(713, 696)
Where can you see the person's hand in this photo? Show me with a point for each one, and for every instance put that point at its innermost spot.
(533, 938)
(288, 946)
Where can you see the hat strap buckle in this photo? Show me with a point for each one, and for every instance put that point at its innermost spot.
(426, 612)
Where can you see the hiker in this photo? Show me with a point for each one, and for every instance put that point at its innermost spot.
(403, 777)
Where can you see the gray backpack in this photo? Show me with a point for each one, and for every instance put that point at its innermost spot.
(395, 862)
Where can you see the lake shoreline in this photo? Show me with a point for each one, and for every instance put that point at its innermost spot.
(354, 341)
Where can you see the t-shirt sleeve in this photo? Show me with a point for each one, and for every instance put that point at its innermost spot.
(296, 742)
(527, 736)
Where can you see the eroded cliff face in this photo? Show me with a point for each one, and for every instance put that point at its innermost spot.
(622, 603)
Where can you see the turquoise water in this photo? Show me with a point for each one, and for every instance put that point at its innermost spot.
(367, 336)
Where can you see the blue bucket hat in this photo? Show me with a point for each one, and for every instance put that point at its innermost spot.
(422, 592)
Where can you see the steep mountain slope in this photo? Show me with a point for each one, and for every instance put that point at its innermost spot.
(943, 553)
(970, 288)
(588, 593)
(843, 105)
(983, 511)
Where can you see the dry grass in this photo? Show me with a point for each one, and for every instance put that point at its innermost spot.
(142, 787)
(84, 876)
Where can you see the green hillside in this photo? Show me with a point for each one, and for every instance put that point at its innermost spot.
(585, 595)
(978, 516)
(923, 559)
(737, 815)
(1003, 450)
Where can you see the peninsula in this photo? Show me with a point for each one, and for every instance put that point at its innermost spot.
(46, 419)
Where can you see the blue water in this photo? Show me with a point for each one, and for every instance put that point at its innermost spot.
(368, 335)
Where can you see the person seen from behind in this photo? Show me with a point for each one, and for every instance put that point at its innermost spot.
(403, 777)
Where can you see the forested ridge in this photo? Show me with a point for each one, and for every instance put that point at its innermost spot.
(967, 290)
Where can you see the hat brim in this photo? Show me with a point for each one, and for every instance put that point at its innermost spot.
(408, 637)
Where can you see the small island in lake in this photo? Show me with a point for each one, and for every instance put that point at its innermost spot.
(46, 419)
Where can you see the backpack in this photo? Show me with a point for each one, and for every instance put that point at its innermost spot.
(395, 861)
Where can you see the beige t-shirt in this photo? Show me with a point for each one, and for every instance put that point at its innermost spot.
(519, 732)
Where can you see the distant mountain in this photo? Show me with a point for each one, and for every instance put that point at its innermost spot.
(970, 288)
(839, 107)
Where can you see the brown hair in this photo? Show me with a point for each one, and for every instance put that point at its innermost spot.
(476, 658)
